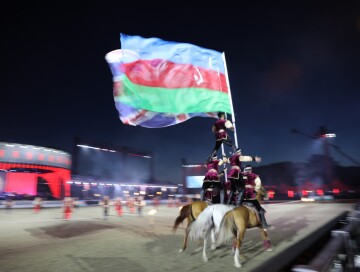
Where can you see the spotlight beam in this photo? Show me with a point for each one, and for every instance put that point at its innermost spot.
(336, 147)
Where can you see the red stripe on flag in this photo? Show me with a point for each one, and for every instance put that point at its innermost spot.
(133, 119)
(166, 74)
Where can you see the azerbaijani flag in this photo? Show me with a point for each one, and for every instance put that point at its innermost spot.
(158, 83)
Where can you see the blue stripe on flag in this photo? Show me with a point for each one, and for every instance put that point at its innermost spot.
(181, 53)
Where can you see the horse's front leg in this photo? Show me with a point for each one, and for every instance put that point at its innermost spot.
(265, 237)
(185, 240)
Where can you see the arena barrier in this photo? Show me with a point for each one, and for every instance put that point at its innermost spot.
(342, 251)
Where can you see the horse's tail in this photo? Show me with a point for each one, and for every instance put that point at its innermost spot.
(227, 226)
(202, 224)
(185, 212)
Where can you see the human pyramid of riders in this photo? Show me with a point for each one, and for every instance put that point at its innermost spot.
(241, 185)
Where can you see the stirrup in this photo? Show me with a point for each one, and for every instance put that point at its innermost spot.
(265, 226)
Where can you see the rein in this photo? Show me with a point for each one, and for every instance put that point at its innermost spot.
(191, 213)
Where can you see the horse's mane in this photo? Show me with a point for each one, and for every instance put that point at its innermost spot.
(184, 213)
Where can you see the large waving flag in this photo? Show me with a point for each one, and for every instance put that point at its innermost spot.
(159, 83)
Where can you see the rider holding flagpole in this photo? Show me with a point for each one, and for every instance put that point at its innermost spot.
(235, 183)
(220, 128)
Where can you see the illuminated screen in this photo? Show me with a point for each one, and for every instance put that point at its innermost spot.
(194, 181)
(112, 166)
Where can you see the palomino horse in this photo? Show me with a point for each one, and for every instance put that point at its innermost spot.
(233, 226)
(207, 224)
(189, 212)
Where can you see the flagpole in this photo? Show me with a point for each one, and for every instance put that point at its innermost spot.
(230, 98)
(232, 113)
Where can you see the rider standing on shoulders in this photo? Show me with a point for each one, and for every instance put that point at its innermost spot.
(235, 181)
(220, 130)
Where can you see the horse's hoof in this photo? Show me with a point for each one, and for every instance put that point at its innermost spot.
(198, 249)
(213, 247)
(181, 250)
(205, 259)
(237, 265)
(267, 245)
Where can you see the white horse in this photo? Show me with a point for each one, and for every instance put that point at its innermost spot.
(207, 225)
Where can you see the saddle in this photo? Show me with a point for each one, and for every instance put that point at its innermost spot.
(251, 207)
(212, 194)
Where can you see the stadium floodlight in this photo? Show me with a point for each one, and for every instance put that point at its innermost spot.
(330, 135)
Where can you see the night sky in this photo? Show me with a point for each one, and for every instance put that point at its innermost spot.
(294, 65)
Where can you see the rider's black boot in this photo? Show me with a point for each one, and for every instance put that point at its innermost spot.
(213, 153)
(202, 195)
(229, 200)
(239, 200)
(222, 197)
(262, 219)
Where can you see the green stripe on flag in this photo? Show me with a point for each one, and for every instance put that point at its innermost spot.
(179, 100)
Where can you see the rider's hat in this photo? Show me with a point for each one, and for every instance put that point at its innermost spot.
(221, 113)
(247, 168)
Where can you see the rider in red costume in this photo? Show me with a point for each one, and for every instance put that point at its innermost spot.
(212, 178)
(235, 183)
(220, 130)
(252, 185)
